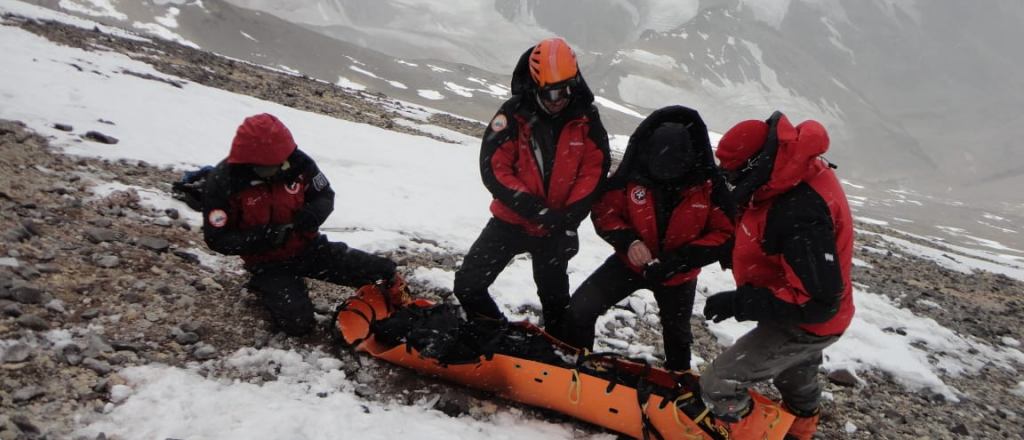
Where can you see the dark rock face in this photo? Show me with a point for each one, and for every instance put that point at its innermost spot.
(171, 309)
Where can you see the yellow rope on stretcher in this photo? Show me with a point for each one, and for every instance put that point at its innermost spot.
(675, 403)
(574, 385)
(778, 415)
(675, 413)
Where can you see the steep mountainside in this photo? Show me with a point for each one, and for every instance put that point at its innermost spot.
(122, 282)
(927, 86)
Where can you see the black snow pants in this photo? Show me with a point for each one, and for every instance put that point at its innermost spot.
(282, 289)
(497, 245)
(612, 282)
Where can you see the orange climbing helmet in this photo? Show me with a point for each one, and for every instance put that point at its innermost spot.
(552, 62)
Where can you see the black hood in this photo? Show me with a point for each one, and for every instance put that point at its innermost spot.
(634, 164)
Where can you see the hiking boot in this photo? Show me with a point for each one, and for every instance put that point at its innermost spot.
(738, 426)
(805, 424)
(687, 380)
(397, 291)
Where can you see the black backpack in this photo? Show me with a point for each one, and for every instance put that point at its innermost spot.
(439, 332)
(190, 188)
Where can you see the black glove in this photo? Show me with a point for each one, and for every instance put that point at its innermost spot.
(305, 220)
(746, 303)
(720, 306)
(657, 271)
(278, 234)
(553, 220)
(662, 270)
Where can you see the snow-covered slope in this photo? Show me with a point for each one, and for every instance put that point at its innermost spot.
(923, 85)
(912, 92)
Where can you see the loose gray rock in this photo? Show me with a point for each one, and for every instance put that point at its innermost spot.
(13, 310)
(70, 354)
(25, 425)
(97, 344)
(106, 261)
(132, 347)
(205, 352)
(33, 322)
(154, 244)
(17, 234)
(27, 394)
(26, 293)
(17, 353)
(91, 313)
(100, 235)
(100, 367)
(186, 338)
(100, 137)
(192, 326)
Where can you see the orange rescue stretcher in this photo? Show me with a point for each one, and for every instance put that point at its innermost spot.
(640, 410)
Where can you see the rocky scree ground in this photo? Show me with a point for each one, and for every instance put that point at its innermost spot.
(91, 285)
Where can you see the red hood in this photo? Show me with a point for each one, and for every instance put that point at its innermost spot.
(261, 140)
(799, 148)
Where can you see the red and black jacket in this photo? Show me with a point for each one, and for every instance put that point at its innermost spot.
(543, 170)
(686, 225)
(794, 238)
(241, 210)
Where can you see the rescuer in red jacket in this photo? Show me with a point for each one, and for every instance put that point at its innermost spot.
(791, 263)
(265, 203)
(667, 213)
(543, 157)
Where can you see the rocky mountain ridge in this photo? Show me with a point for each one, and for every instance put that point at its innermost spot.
(90, 285)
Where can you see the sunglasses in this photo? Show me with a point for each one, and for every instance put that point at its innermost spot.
(557, 92)
(267, 171)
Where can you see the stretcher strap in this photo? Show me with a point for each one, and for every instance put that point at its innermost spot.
(643, 394)
(369, 319)
(675, 413)
(575, 389)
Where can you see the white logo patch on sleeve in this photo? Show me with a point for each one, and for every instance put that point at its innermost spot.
(218, 218)
(320, 182)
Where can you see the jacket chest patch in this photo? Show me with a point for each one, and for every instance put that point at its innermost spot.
(218, 218)
(638, 195)
(293, 188)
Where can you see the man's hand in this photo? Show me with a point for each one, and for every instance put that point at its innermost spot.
(639, 254)
(720, 306)
(305, 220)
(658, 271)
(553, 220)
(279, 234)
